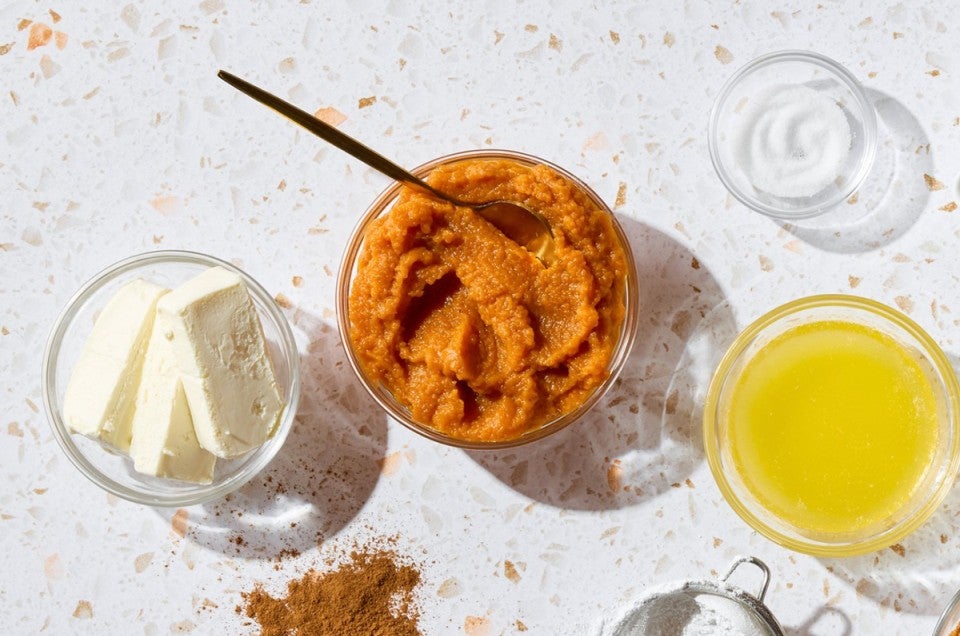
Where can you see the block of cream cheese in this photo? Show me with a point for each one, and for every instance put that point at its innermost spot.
(164, 443)
(216, 336)
(102, 390)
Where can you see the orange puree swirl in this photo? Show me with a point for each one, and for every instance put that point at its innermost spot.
(467, 329)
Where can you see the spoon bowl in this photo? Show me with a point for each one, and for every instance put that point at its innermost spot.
(519, 223)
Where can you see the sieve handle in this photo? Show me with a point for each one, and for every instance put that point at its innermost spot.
(757, 562)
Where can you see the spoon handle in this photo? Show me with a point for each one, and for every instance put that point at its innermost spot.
(328, 133)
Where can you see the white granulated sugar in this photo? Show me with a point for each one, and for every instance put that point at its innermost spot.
(793, 141)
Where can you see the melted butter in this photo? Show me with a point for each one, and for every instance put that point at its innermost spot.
(832, 426)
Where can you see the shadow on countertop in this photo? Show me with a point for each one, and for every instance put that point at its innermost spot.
(918, 575)
(322, 477)
(644, 437)
(825, 620)
(892, 197)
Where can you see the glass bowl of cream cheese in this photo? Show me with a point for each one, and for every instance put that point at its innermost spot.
(176, 410)
(792, 134)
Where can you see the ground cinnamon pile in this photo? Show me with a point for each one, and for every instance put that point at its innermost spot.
(371, 594)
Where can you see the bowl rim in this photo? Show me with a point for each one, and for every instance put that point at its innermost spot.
(951, 390)
(381, 204)
(869, 121)
(942, 623)
(201, 493)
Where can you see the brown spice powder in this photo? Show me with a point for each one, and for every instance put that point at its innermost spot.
(372, 594)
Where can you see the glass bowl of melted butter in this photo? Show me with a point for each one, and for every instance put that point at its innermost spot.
(171, 378)
(832, 425)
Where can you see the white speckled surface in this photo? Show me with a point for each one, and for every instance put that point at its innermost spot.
(118, 139)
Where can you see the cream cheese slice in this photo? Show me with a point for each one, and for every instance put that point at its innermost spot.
(102, 389)
(217, 339)
(164, 443)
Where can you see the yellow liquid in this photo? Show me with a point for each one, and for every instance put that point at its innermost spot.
(832, 425)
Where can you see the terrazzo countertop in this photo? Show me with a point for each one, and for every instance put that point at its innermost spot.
(119, 139)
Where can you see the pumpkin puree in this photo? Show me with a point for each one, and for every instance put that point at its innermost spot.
(466, 328)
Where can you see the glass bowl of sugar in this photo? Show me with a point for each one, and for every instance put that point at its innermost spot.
(792, 134)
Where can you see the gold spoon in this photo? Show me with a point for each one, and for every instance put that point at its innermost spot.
(518, 222)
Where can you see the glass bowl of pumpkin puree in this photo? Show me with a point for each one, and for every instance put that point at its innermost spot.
(832, 425)
(463, 335)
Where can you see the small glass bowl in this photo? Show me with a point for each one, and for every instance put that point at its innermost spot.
(113, 471)
(348, 269)
(950, 618)
(813, 71)
(939, 475)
